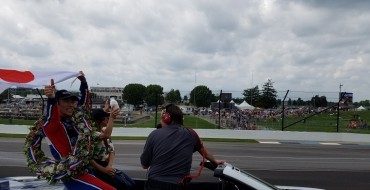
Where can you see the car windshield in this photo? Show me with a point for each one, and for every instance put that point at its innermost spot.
(236, 175)
(258, 179)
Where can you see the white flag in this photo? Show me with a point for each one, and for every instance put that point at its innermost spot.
(32, 79)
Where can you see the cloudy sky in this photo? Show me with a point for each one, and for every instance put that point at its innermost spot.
(309, 47)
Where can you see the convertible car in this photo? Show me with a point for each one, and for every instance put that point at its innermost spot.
(230, 178)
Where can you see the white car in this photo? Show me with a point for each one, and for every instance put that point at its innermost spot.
(233, 178)
(27, 183)
(230, 178)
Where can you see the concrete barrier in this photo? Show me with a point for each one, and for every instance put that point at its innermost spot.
(260, 135)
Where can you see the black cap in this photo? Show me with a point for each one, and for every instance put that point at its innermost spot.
(64, 94)
(99, 114)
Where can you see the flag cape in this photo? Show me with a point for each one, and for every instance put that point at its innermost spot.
(32, 79)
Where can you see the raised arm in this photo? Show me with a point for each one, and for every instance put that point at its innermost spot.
(52, 115)
(209, 156)
(109, 128)
(84, 92)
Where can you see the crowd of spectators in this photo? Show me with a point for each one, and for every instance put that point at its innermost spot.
(20, 110)
(252, 119)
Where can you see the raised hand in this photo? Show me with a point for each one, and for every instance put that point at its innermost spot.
(49, 90)
(82, 77)
(114, 112)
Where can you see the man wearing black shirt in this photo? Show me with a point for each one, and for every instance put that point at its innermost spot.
(168, 151)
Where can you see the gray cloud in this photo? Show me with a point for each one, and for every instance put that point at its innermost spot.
(304, 45)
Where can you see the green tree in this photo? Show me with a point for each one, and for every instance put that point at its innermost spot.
(154, 95)
(173, 96)
(268, 95)
(238, 100)
(319, 101)
(252, 95)
(4, 95)
(201, 96)
(307, 102)
(279, 102)
(134, 93)
(300, 102)
(315, 101)
(364, 103)
(324, 101)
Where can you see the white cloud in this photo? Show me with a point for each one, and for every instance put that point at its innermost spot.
(307, 46)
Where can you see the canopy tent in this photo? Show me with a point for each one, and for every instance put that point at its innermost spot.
(17, 97)
(245, 106)
(360, 108)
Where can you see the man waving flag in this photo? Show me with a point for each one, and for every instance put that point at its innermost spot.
(31, 79)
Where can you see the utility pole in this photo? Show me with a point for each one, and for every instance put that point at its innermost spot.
(219, 111)
(156, 109)
(195, 85)
(340, 99)
(283, 113)
(251, 90)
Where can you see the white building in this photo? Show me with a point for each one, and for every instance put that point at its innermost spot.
(186, 110)
(107, 92)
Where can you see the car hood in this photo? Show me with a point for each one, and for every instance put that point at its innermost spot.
(295, 188)
(33, 183)
(27, 183)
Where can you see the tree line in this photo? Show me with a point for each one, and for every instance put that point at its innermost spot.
(201, 96)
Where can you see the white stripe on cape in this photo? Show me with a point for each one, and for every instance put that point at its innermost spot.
(40, 78)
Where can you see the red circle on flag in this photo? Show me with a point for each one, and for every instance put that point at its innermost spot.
(16, 76)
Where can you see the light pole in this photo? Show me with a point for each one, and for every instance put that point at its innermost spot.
(195, 85)
(340, 99)
(252, 90)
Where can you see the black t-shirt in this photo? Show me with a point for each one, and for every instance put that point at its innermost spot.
(168, 152)
(71, 130)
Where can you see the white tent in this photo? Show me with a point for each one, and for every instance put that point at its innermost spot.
(245, 106)
(360, 108)
(17, 97)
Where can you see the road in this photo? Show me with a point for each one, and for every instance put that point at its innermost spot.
(340, 167)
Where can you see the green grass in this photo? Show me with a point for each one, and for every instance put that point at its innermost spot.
(323, 122)
(229, 140)
(189, 121)
(197, 123)
(144, 138)
(12, 135)
(16, 122)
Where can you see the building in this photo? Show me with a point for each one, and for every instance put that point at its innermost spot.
(107, 92)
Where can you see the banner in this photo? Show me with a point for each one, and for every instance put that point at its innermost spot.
(32, 79)
(346, 97)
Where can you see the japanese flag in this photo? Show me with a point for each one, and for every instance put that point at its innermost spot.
(32, 79)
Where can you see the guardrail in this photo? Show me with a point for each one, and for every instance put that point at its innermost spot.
(259, 135)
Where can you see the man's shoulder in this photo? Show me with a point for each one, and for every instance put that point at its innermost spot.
(154, 133)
